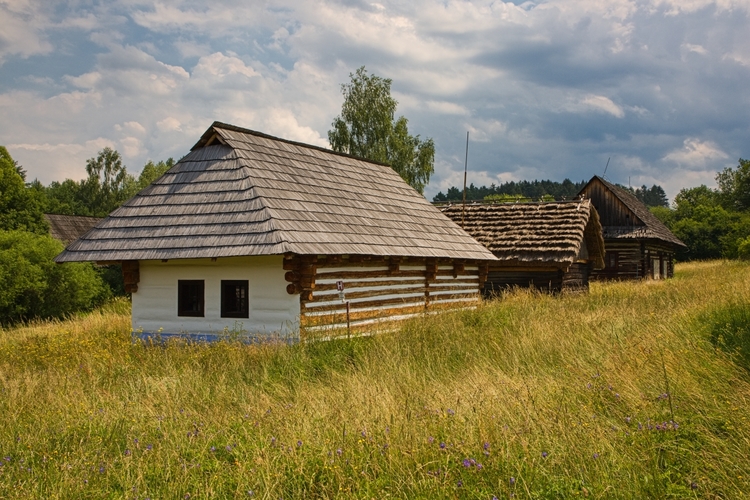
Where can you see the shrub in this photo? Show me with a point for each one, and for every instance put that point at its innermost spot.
(743, 248)
(35, 287)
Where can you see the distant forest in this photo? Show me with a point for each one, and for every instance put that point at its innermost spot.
(544, 191)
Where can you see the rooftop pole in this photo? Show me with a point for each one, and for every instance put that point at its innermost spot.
(466, 166)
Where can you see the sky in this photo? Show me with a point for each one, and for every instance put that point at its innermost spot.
(547, 90)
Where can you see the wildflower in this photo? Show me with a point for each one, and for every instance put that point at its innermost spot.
(339, 452)
(596, 455)
(486, 445)
(135, 440)
(544, 454)
(149, 447)
(213, 449)
(627, 420)
(460, 483)
(299, 443)
(512, 481)
(442, 446)
(693, 485)
(127, 453)
(431, 439)
(479, 466)
(466, 462)
(101, 470)
(229, 448)
(450, 412)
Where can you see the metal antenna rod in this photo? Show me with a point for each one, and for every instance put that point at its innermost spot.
(466, 167)
(606, 166)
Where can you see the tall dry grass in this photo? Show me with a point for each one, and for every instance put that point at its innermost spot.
(616, 394)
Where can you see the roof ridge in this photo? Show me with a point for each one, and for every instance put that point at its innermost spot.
(221, 125)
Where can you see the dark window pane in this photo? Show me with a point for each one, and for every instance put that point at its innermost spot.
(190, 298)
(234, 301)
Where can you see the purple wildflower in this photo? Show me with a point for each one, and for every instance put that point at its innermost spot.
(479, 466)
(460, 483)
(627, 420)
(544, 454)
(273, 440)
(127, 453)
(213, 449)
(596, 455)
(466, 462)
(299, 444)
(693, 485)
(101, 470)
(431, 439)
(450, 412)
(229, 448)
(442, 446)
(512, 481)
(486, 445)
(149, 447)
(339, 452)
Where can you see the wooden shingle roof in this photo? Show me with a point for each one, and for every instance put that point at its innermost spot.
(240, 192)
(534, 233)
(646, 226)
(67, 228)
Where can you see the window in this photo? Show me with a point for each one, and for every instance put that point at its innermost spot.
(190, 298)
(234, 302)
(610, 260)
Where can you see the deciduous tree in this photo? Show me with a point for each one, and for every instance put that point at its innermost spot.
(366, 128)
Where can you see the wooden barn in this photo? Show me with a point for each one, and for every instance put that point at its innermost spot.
(67, 228)
(259, 236)
(550, 246)
(638, 245)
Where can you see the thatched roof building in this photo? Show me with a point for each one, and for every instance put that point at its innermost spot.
(547, 245)
(251, 205)
(638, 245)
(67, 228)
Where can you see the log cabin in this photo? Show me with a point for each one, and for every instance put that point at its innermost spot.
(637, 244)
(549, 246)
(260, 237)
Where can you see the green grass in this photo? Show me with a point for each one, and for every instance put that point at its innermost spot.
(631, 391)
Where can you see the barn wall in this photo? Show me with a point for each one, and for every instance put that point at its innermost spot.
(382, 293)
(636, 260)
(500, 279)
(272, 311)
(577, 276)
(612, 212)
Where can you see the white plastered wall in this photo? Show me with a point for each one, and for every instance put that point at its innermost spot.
(272, 310)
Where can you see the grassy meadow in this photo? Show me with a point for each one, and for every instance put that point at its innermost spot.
(635, 390)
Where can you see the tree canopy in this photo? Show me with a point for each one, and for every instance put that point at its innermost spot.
(366, 128)
(20, 208)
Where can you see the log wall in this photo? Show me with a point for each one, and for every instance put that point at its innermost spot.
(380, 292)
(635, 260)
(501, 279)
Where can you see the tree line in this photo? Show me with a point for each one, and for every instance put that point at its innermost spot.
(545, 190)
(33, 285)
(713, 223)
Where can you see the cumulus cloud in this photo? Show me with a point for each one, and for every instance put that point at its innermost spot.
(695, 153)
(547, 89)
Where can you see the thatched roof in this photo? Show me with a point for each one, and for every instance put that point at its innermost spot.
(67, 228)
(240, 192)
(646, 226)
(534, 233)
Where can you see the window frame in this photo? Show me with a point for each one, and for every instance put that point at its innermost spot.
(182, 298)
(611, 258)
(244, 311)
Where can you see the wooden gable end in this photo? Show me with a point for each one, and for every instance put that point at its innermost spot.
(612, 211)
